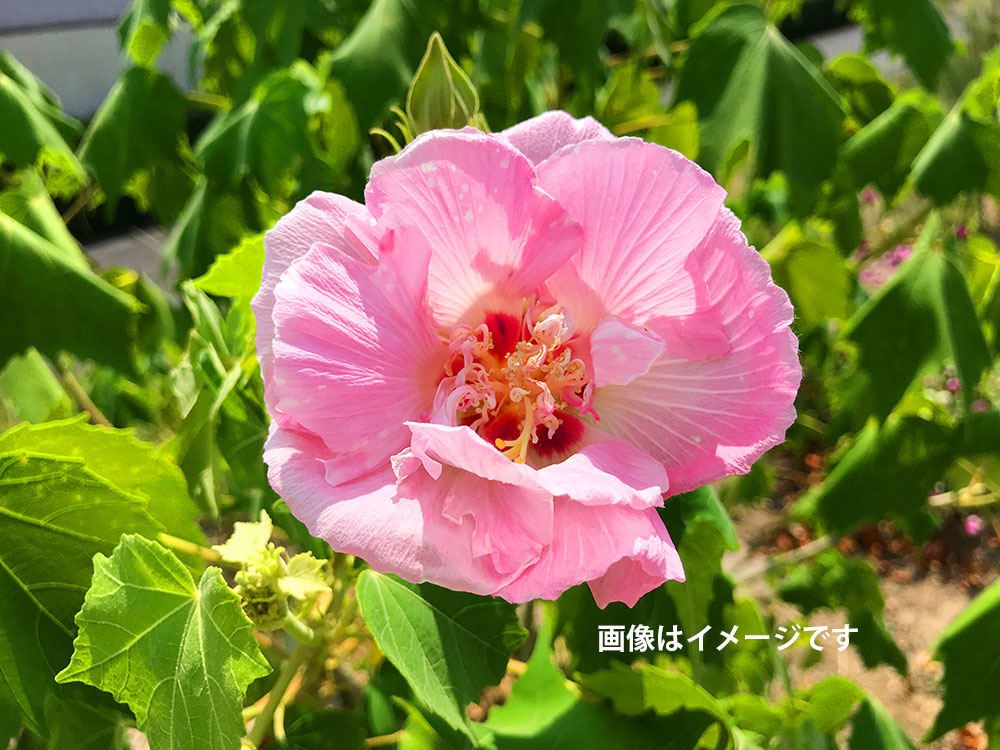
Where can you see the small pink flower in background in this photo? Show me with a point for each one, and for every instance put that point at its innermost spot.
(961, 232)
(980, 406)
(953, 385)
(881, 269)
(489, 374)
(868, 195)
(973, 525)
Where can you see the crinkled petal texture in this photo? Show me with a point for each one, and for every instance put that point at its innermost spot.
(668, 329)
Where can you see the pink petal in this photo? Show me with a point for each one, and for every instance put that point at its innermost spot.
(510, 523)
(713, 416)
(623, 552)
(394, 530)
(492, 233)
(644, 209)
(355, 354)
(601, 470)
(319, 218)
(621, 353)
(541, 136)
(606, 471)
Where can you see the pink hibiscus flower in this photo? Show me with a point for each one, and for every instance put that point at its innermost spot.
(489, 375)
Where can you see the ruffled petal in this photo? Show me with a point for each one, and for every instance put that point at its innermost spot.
(606, 471)
(644, 209)
(396, 530)
(322, 217)
(354, 353)
(715, 415)
(492, 234)
(623, 552)
(541, 136)
(620, 353)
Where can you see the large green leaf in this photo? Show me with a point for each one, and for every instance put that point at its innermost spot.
(267, 137)
(751, 86)
(543, 710)
(41, 97)
(698, 716)
(238, 272)
(882, 152)
(118, 457)
(930, 294)
(911, 28)
(963, 154)
(29, 203)
(872, 728)
(53, 302)
(886, 473)
(832, 581)
(28, 385)
(969, 648)
(50, 504)
(213, 221)
(376, 60)
(180, 654)
(144, 29)
(813, 273)
(31, 135)
(132, 144)
(449, 645)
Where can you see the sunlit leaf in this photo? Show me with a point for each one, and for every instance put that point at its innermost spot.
(969, 648)
(449, 645)
(750, 85)
(132, 145)
(180, 654)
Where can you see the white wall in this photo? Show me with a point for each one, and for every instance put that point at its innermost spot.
(80, 64)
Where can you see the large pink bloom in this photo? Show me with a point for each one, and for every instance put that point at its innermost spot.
(489, 374)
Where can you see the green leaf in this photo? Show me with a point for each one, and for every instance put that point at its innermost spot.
(132, 144)
(31, 136)
(832, 581)
(308, 729)
(750, 85)
(874, 729)
(449, 645)
(50, 504)
(681, 512)
(375, 62)
(441, 94)
(963, 154)
(118, 457)
(266, 137)
(649, 688)
(544, 710)
(883, 152)
(215, 219)
(30, 204)
(911, 28)
(144, 29)
(41, 97)
(28, 384)
(930, 293)
(861, 489)
(236, 273)
(813, 273)
(827, 704)
(180, 655)
(866, 93)
(969, 648)
(53, 302)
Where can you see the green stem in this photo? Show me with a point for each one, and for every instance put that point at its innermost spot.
(263, 723)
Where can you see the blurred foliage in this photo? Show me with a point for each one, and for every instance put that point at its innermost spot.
(872, 196)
